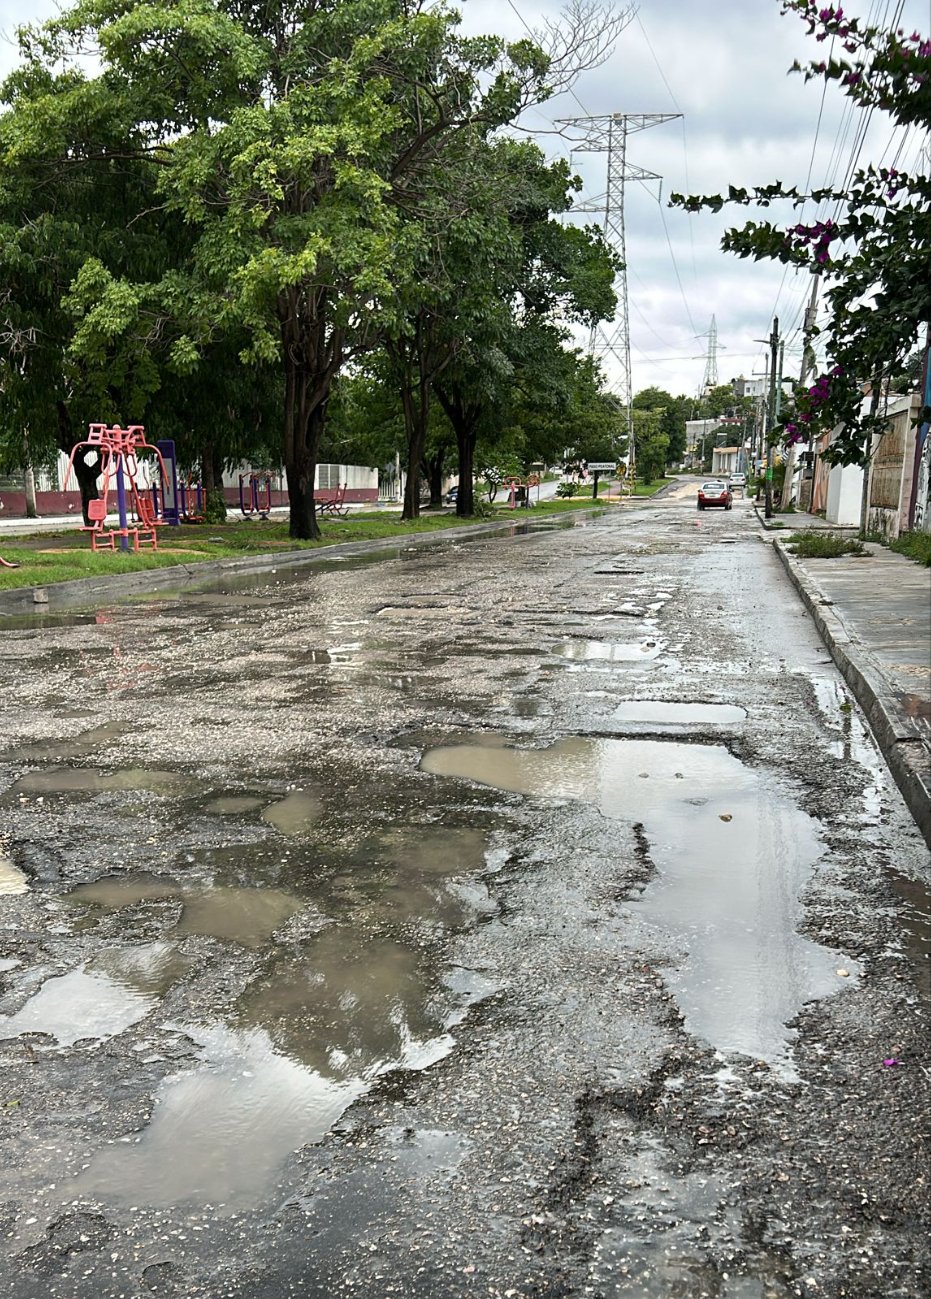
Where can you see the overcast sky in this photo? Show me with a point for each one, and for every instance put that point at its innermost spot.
(724, 65)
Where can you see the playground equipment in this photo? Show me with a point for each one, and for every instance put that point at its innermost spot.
(118, 450)
(336, 505)
(259, 496)
(518, 486)
(6, 563)
(192, 501)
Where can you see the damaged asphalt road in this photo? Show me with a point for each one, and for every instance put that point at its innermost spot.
(517, 916)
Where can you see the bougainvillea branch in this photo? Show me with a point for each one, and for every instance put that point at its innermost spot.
(875, 252)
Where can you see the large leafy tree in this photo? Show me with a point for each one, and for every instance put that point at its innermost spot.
(875, 254)
(285, 140)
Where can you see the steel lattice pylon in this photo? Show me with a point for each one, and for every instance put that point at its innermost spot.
(608, 134)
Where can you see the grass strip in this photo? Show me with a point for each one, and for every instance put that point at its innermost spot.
(46, 558)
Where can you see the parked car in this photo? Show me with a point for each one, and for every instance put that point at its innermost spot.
(714, 493)
(737, 480)
(452, 495)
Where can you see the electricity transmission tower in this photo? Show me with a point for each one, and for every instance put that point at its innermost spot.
(711, 363)
(608, 134)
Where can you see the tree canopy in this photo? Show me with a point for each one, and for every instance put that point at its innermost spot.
(227, 185)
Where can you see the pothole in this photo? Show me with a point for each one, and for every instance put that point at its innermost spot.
(85, 780)
(733, 855)
(587, 651)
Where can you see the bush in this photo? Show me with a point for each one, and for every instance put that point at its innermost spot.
(916, 545)
(215, 507)
(819, 545)
(567, 489)
(483, 509)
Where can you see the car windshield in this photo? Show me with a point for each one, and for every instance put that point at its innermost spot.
(712, 487)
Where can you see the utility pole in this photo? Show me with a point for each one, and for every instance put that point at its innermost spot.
(806, 364)
(772, 412)
(608, 134)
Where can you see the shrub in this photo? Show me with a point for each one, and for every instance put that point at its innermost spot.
(567, 489)
(916, 545)
(819, 545)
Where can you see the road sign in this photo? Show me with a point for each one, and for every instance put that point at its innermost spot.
(601, 466)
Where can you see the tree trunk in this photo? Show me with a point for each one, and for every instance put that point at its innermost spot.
(466, 435)
(311, 357)
(211, 477)
(29, 487)
(464, 418)
(433, 466)
(411, 508)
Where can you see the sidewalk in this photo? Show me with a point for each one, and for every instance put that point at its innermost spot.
(874, 615)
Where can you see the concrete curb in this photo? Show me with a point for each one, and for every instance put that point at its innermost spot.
(899, 739)
(85, 591)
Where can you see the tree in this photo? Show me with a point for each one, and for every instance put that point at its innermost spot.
(875, 253)
(288, 140)
(652, 444)
(673, 413)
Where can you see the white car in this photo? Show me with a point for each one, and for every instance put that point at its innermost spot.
(737, 480)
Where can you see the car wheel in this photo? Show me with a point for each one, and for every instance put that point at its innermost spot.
(700, 506)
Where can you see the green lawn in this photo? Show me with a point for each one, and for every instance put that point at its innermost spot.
(45, 558)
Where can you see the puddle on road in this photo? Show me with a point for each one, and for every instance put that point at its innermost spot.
(248, 916)
(150, 968)
(85, 1003)
(238, 915)
(115, 891)
(12, 880)
(295, 813)
(656, 712)
(312, 1036)
(916, 928)
(425, 1152)
(314, 1031)
(86, 780)
(220, 1133)
(41, 621)
(651, 1252)
(587, 651)
(727, 891)
(350, 1008)
(80, 746)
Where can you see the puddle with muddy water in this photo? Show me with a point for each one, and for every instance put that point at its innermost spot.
(80, 746)
(295, 813)
(319, 1024)
(220, 1132)
(248, 916)
(916, 929)
(733, 855)
(307, 1039)
(85, 780)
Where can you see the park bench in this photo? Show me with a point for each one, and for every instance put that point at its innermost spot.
(336, 505)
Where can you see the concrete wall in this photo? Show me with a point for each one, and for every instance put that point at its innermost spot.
(845, 494)
(361, 487)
